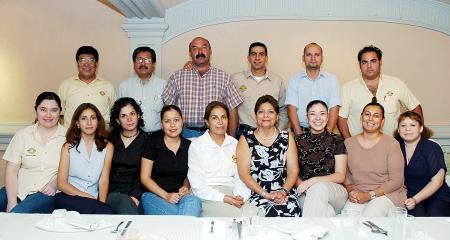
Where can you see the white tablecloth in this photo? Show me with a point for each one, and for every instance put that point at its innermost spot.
(22, 226)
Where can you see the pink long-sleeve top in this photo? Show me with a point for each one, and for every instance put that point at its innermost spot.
(379, 166)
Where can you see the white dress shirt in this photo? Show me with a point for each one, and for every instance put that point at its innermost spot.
(214, 165)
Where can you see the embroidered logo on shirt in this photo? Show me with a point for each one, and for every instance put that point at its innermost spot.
(242, 88)
(102, 93)
(31, 152)
(388, 94)
(234, 158)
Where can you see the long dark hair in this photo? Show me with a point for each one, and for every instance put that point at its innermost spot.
(73, 136)
(116, 128)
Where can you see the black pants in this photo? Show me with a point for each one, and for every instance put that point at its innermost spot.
(431, 207)
(82, 205)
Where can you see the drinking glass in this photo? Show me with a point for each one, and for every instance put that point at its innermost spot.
(349, 220)
(397, 218)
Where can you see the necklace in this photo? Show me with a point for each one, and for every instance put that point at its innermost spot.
(132, 136)
(268, 138)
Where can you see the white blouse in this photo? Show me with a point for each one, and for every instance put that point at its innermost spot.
(214, 165)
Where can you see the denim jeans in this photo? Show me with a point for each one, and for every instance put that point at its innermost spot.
(33, 203)
(189, 133)
(188, 205)
(122, 204)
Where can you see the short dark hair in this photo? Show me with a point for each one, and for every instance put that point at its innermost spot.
(87, 50)
(257, 44)
(426, 133)
(314, 102)
(47, 96)
(374, 103)
(370, 48)
(212, 105)
(267, 99)
(144, 49)
(116, 128)
(168, 108)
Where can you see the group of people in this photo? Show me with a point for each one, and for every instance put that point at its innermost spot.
(134, 154)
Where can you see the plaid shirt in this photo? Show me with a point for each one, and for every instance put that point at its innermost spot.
(192, 93)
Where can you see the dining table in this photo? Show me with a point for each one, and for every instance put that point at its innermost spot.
(29, 227)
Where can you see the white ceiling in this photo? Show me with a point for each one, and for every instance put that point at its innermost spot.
(155, 8)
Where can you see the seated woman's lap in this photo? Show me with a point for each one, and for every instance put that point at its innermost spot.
(82, 205)
(378, 207)
(33, 203)
(431, 207)
(222, 209)
(123, 204)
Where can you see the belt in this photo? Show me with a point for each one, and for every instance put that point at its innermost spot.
(198, 129)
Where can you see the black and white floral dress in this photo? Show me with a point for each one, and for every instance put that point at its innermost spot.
(268, 168)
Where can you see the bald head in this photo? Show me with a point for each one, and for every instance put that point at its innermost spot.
(313, 44)
(312, 56)
(200, 52)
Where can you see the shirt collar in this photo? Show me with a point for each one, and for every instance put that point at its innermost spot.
(303, 74)
(77, 78)
(60, 132)
(248, 74)
(210, 142)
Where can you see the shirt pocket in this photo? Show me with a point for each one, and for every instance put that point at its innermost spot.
(390, 103)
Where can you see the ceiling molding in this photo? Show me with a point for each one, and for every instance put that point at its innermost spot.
(193, 14)
(140, 8)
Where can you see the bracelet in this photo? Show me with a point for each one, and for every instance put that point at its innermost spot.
(285, 191)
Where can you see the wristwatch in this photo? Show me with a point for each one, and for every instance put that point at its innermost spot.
(373, 195)
(285, 191)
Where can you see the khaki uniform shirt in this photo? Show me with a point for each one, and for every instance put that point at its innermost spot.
(39, 162)
(74, 92)
(391, 94)
(250, 90)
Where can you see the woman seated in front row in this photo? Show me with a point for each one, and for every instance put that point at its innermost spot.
(164, 170)
(212, 168)
(32, 160)
(267, 162)
(322, 159)
(374, 178)
(428, 193)
(83, 173)
(128, 138)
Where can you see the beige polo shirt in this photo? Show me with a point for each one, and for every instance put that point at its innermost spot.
(251, 89)
(391, 94)
(74, 92)
(39, 162)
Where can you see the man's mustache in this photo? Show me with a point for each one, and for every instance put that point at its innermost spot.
(143, 67)
(200, 55)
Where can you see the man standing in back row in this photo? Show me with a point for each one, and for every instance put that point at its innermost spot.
(256, 82)
(193, 89)
(145, 88)
(86, 87)
(312, 84)
(373, 86)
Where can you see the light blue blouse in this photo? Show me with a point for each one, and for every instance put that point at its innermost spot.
(85, 171)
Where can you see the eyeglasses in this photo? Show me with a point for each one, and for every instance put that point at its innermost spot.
(86, 60)
(144, 60)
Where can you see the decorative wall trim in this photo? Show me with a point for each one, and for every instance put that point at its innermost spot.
(194, 14)
(7, 130)
(146, 32)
